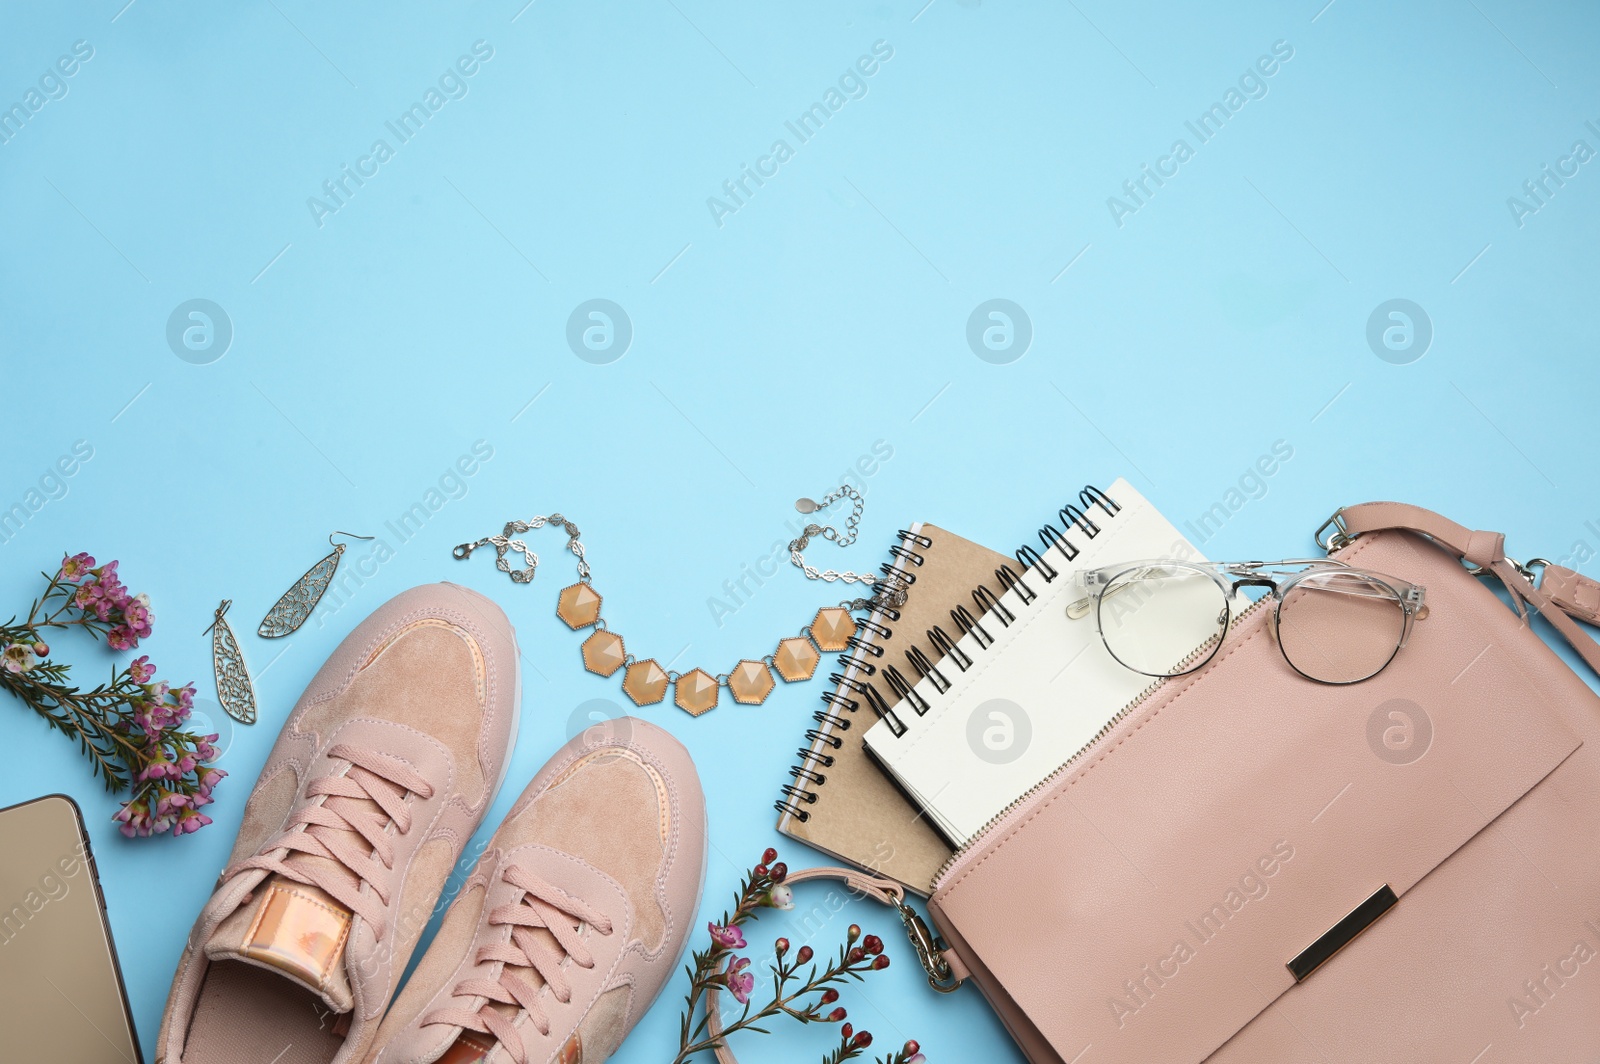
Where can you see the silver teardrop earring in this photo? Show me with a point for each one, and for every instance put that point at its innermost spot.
(293, 609)
(234, 689)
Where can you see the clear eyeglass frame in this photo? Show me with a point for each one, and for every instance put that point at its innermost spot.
(1279, 578)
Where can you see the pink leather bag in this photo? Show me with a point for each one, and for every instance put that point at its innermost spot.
(1251, 867)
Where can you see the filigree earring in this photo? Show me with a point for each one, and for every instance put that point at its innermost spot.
(234, 690)
(292, 610)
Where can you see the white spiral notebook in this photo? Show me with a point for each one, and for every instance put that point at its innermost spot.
(1025, 686)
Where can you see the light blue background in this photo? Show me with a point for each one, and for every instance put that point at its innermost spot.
(768, 353)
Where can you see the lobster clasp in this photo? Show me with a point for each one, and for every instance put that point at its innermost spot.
(463, 551)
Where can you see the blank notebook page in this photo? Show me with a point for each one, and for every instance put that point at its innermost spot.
(1035, 695)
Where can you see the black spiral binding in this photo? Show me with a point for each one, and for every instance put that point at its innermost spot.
(841, 707)
(1053, 538)
(907, 555)
(927, 669)
(858, 648)
(1074, 519)
(876, 629)
(799, 772)
(1031, 559)
(1008, 576)
(896, 575)
(881, 708)
(842, 680)
(948, 651)
(823, 716)
(969, 625)
(906, 691)
(989, 603)
(818, 737)
(809, 756)
(846, 660)
(865, 646)
(834, 698)
(793, 794)
(1092, 496)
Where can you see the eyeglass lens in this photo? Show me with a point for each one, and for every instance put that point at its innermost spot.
(1156, 617)
(1340, 627)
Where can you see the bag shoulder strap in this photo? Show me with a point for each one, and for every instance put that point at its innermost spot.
(1559, 594)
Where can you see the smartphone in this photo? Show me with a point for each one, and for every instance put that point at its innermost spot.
(61, 991)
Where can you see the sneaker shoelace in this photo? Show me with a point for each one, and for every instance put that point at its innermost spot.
(359, 805)
(541, 906)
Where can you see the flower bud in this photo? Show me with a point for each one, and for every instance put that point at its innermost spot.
(759, 871)
(829, 996)
(781, 946)
(836, 1015)
(856, 955)
(911, 1047)
(846, 1031)
(779, 872)
(804, 955)
(862, 1040)
(41, 649)
(770, 856)
(873, 945)
(880, 963)
(854, 932)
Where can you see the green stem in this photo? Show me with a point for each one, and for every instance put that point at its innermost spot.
(49, 591)
(81, 715)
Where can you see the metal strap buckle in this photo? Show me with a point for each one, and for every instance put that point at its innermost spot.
(1340, 538)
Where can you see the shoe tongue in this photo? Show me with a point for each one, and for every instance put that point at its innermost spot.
(469, 1048)
(294, 930)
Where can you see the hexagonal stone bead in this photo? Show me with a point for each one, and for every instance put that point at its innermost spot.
(750, 682)
(832, 628)
(695, 691)
(603, 653)
(796, 659)
(578, 605)
(645, 682)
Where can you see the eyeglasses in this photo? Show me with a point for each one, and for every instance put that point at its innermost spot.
(1334, 623)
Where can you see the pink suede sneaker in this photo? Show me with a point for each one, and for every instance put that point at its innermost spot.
(575, 917)
(383, 771)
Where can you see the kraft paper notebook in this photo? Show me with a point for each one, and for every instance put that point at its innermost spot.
(1025, 686)
(838, 799)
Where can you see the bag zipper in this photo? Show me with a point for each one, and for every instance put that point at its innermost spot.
(1121, 715)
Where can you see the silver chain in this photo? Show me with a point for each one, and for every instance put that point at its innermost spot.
(503, 544)
(852, 523)
(802, 541)
(890, 591)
